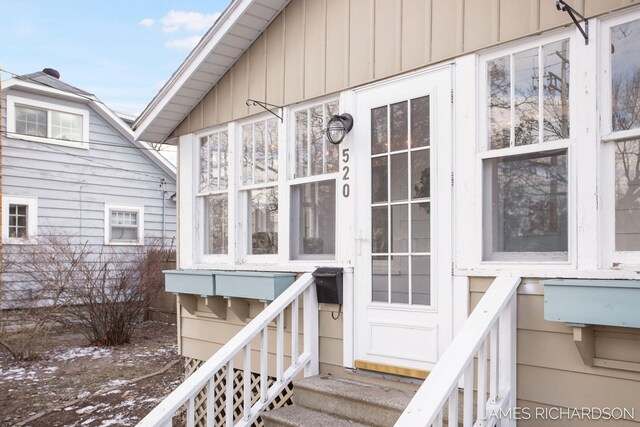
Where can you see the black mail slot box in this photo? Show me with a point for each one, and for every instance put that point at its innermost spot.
(329, 285)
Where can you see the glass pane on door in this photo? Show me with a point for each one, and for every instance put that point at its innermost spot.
(401, 203)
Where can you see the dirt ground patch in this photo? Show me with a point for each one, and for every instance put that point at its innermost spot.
(75, 384)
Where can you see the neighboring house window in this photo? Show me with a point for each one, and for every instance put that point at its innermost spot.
(49, 122)
(525, 162)
(313, 187)
(621, 134)
(213, 191)
(20, 219)
(260, 184)
(124, 225)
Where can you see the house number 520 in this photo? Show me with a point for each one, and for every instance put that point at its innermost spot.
(346, 189)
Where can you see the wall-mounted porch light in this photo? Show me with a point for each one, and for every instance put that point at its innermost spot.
(338, 127)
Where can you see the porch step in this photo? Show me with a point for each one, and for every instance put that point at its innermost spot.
(345, 401)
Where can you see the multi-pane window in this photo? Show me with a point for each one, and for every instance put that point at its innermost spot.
(260, 184)
(18, 224)
(401, 202)
(525, 200)
(48, 123)
(313, 186)
(213, 190)
(124, 225)
(625, 128)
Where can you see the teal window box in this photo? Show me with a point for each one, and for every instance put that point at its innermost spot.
(196, 282)
(265, 286)
(593, 302)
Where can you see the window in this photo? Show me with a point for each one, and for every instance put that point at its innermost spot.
(42, 121)
(213, 190)
(313, 185)
(526, 161)
(260, 184)
(124, 225)
(20, 219)
(621, 131)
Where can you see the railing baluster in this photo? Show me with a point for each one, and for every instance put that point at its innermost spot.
(453, 408)
(467, 409)
(507, 352)
(191, 412)
(246, 382)
(280, 347)
(211, 400)
(294, 332)
(264, 364)
(311, 341)
(493, 368)
(229, 395)
(482, 381)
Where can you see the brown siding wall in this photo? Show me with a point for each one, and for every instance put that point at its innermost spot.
(201, 335)
(550, 370)
(316, 47)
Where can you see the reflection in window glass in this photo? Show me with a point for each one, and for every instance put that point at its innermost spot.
(217, 224)
(66, 126)
(421, 280)
(400, 228)
(556, 90)
(420, 122)
(379, 229)
(313, 212)
(124, 226)
(399, 126)
(399, 177)
(527, 204)
(420, 174)
(213, 162)
(379, 132)
(263, 221)
(31, 121)
(315, 155)
(625, 76)
(628, 195)
(379, 179)
(421, 227)
(499, 102)
(400, 279)
(18, 221)
(526, 102)
(260, 152)
(380, 279)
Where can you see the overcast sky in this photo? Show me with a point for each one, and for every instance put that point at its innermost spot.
(122, 51)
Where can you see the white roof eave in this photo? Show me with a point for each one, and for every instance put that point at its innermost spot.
(148, 125)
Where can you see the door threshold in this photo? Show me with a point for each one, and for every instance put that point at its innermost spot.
(383, 370)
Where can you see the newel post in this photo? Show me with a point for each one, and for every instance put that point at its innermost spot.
(311, 337)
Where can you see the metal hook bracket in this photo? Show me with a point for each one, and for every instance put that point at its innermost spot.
(267, 107)
(562, 6)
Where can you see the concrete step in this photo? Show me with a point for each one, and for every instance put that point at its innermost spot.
(352, 400)
(299, 416)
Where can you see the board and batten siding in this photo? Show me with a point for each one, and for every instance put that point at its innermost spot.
(550, 370)
(317, 47)
(201, 334)
(73, 184)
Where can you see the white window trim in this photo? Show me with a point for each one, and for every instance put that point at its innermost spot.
(199, 203)
(610, 257)
(42, 103)
(483, 152)
(107, 224)
(32, 219)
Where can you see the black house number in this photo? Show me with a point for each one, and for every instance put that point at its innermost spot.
(346, 189)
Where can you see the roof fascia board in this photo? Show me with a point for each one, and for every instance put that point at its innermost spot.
(43, 89)
(193, 61)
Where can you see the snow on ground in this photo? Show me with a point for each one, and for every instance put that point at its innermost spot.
(76, 352)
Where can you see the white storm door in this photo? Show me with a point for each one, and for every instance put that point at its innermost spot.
(403, 283)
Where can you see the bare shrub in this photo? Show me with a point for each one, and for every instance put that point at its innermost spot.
(34, 296)
(101, 292)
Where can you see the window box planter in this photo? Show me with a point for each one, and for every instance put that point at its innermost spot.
(195, 282)
(593, 302)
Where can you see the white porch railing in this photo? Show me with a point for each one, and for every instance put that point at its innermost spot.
(490, 335)
(241, 343)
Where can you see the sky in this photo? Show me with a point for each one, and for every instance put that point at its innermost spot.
(121, 51)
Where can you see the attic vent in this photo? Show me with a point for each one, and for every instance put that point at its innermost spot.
(52, 72)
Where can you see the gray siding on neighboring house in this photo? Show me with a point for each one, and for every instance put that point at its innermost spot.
(73, 185)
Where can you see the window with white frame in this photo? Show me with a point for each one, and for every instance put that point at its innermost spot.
(525, 162)
(47, 122)
(260, 184)
(19, 219)
(213, 190)
(124, 225)
(621, 129)
(313, 186)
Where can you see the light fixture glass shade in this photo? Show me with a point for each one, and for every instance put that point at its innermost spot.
(335, 131)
